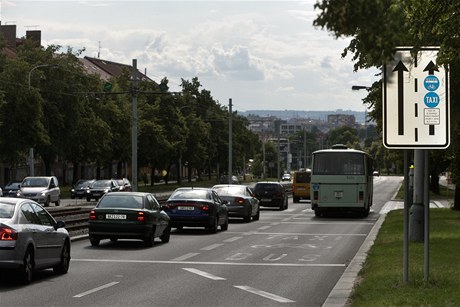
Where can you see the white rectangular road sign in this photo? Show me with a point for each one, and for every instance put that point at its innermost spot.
(416, 103)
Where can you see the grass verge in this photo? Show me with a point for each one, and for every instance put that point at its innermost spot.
(381, 278)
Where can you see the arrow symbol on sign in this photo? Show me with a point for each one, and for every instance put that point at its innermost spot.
(400, 68)
(431, 68)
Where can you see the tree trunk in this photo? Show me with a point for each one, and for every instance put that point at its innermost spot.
(434, 184)
(457, 198)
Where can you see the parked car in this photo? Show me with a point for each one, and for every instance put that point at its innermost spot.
(286, 177)
(100, 187)
(11, 188)
(128, 215)
(240, 201)
(43, 190)
(80, 187)
(197, 207)
(271, 194)
(124, 184)
(30, 239)
(233, 179)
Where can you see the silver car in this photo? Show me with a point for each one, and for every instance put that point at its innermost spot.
(30, 239)
(43, 190)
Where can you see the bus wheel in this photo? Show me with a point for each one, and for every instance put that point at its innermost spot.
(366, 210)
(317, 213)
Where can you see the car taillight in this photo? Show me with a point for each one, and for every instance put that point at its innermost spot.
(8, 234)
(205, 208)
(141, 216)
(239, 200)
(92, 215)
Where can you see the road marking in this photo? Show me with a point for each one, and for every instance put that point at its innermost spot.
(268, 295)
(204, 274)
(232, 239)
(185, 257)
(97, 289)
(310, 234)
(264, 227)
(211, 247)
(213, 263)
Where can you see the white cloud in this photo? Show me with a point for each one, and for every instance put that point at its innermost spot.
(264, 54)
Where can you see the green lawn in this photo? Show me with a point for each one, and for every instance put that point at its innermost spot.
(381, 278)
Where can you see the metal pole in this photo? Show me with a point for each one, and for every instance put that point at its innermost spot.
(134, 128)
(230, 162)
(406, 218)
(278, 132)
(263, 165)
(305, 148)
(416, 210)
(427, 219)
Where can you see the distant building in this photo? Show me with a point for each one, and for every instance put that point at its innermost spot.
(337, 120)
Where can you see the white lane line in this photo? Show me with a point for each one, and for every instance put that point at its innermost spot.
(97, 289)
(264, 227)
(185, 257)
(268, 295)
(311, 234)
(203, 274)
(232, 239)
(214, 263)
(211, 247)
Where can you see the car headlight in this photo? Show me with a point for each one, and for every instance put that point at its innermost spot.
(73, 190)
(18, 193)
(43, 193)
(106, 190)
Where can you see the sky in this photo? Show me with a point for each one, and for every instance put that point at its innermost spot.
(264, 55)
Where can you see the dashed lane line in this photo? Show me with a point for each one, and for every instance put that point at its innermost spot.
(97, 289)
(203, 274)
(268, 295)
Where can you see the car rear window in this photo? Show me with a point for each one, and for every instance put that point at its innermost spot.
(6, 210)
(230, 190)
(121, 201)
(266, 187)
(190, 194)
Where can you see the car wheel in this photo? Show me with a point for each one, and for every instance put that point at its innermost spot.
(257, 216)
(47, 201)
(247, 218)
(27, 268)
(94, 241)
(150, 240)
(213, 228)
(166, 235)
(57, 202)
(224, 226)
(63, 266)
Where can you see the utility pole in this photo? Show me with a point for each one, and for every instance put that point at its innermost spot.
(230, 141)
(134, 128)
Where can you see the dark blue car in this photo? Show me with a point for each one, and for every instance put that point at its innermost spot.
(197, 207)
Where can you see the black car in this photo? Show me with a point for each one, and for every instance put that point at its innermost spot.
(271, 194)
(11, 189)
(101, 187)
(197, 207)
(240, 201)
(128, 215)
(79, 189)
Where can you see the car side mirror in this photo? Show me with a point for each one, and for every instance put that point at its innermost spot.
(59, 224)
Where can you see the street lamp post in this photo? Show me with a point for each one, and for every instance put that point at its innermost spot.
(31, 150)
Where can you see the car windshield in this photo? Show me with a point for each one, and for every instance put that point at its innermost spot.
(82, 183)
(6, 210)
(266, 187)
(35, 182)
(121, 201)
(230, 190)
(12, 185)
(101, 184)
(190, 194)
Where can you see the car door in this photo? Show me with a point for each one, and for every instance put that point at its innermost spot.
(221, 207)
(161, 219)
(32, 228)
(51, 240)
(54, 190)
(254, 201)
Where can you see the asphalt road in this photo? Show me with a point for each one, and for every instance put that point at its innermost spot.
(286, 258)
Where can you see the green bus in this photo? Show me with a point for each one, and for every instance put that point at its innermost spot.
(341, 179)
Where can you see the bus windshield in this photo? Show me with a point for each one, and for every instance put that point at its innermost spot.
(338, 163)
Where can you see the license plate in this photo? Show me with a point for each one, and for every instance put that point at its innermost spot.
(338, 194)
(185, 208)
(266, 199)
(115, 216)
